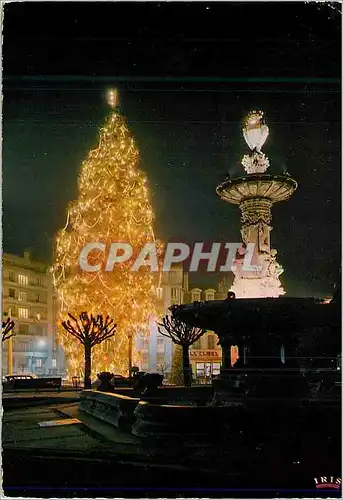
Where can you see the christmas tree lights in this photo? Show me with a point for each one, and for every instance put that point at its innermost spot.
(112, 206)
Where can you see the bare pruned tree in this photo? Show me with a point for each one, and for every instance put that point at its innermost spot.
(89, 330)
(183, 335)
(7, 329)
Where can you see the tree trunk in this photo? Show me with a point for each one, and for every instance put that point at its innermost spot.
(88, 364)
(187, 373)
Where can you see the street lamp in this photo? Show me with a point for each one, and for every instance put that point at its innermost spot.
(10, 349)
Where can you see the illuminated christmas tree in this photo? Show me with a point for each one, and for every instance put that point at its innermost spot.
(112, 206)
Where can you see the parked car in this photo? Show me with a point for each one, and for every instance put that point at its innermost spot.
(31, 381)
(20, 376)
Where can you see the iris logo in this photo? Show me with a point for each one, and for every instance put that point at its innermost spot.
(326, 482)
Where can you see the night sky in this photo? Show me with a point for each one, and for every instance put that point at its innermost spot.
(187, 73)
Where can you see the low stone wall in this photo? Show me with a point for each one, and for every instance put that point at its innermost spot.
(178, 420)
(191, 396)
(115, 409)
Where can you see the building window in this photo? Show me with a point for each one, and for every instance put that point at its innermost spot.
(160, 344)
(145, 361)
(22, 296)
(174, 293)
(38, 363)
(39, 314)
(23, 313)
(23, 280)
(210, 342)
(12, 312)
(215, 368)
(40, 281)
(173, 276)
(159, 293)
(22, 347)
(11, 293)
(24, 329)
(53, 363)
(200, 370)
(209, 295)
(196, 296)
(11, 276)
(160, 360)
(39, 330)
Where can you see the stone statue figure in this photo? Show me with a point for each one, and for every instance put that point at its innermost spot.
(263, 237)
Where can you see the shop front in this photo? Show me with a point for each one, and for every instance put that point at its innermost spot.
(205, 364)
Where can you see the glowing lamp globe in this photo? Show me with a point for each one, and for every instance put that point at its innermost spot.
(255, 132)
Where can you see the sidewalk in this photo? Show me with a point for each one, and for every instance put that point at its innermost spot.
(86, 458)
(30, 394)
(90, 458)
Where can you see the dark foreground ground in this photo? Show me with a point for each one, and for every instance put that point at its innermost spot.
(92, 459)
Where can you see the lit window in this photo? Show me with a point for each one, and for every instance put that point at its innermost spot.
(209, 295)
(159, 292)
(38, 363)
(215, 368)
(23, 313)
(40, 314)
(196, 296)
(53, 363)
(12, 311)
(40, 282)
(174, 293)
(200, 370)
(23, 279)
(22, 296)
